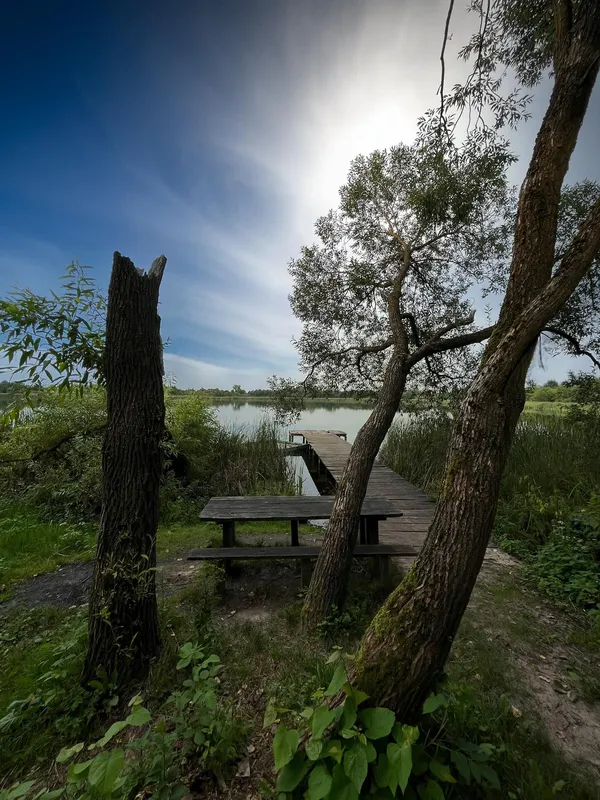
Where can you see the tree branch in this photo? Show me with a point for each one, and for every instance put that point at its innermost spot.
(577, 349)
(531, 321)
(443, 62)
(361, 349)
(51, 449)
(434, 346)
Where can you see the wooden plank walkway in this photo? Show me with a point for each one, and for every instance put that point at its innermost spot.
(332, 452)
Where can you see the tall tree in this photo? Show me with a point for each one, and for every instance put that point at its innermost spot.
(384, 296)
(123, 620)
(404, 650)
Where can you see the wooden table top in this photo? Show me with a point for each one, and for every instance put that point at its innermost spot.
(220, 509)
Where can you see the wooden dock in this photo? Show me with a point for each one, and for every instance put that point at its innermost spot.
(330, 452)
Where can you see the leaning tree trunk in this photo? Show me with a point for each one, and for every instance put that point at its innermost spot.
(123, 627)
(406, 646)
(329, 581)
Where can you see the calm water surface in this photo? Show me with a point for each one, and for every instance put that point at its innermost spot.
(333, 416)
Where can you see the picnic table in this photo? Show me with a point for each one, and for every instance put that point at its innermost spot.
(226, 511)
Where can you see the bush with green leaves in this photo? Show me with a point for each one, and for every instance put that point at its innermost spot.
(50, 457)
(57, 339)
(567, 566)
(60, 701)
(340, 748)
(196, 733)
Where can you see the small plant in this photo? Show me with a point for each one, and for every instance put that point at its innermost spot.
(199, 731)
(344, 750)
(567, 567)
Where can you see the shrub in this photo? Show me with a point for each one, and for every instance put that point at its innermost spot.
(567, 566)
(52, 457)
(197, 730)
(343, 750)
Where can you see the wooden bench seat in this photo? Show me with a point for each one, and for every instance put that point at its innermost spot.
(379, 552)
(361, 551)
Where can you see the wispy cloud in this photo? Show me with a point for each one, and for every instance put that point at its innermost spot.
(317, 90)
(196, 374)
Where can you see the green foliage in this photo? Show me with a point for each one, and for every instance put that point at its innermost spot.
(59, 339)
(197, 730)
(58, 701)
(345, 750)
(50, 458)
(548, 511)
(449, 206)
(567, 566)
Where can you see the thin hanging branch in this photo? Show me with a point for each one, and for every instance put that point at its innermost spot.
(578, 350)
(443, 62)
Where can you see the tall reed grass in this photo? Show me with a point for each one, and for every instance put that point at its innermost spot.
(553, 470)
(555, 454)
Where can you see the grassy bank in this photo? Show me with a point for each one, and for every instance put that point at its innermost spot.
(51, 483)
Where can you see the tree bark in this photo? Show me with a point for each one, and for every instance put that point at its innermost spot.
(329, 581)
(406, 646)
(123, 619)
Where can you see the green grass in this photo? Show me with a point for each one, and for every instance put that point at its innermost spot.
(27, 651)
(29, 546)
(543, 407)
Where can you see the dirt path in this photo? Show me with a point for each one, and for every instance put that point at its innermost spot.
(556, 666)
(69, 585)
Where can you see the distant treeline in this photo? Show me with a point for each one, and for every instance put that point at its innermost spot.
(554, 392)
(237, 391)
(550, 392)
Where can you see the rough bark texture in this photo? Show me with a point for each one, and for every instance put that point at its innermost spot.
(123, 628)
(405, 648)
(330, 578)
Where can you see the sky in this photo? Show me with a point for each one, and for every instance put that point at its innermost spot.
(215, 133)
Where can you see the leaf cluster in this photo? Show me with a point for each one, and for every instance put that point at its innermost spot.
(153, 762)
(57, 340)
(348, 750)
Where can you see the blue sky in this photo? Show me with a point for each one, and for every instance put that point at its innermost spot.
(215, 133)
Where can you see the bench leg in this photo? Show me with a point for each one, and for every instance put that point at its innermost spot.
(228, 541)
(295, 539)
(384, 569)
(372, 530)
(362, 530)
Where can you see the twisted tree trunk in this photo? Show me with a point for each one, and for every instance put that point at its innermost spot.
(123, 619)
(329, 581)
(406, 646)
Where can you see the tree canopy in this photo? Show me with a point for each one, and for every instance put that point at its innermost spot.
(448, 216)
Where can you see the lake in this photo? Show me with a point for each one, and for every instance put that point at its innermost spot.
(326, 416)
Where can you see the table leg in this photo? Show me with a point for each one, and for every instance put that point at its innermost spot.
(372, 530)
(228, 541)
(362, 530)
(305, 572)
(295, 540)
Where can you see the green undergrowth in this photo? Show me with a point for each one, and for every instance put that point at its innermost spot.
(549, 506)
(252, 623)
